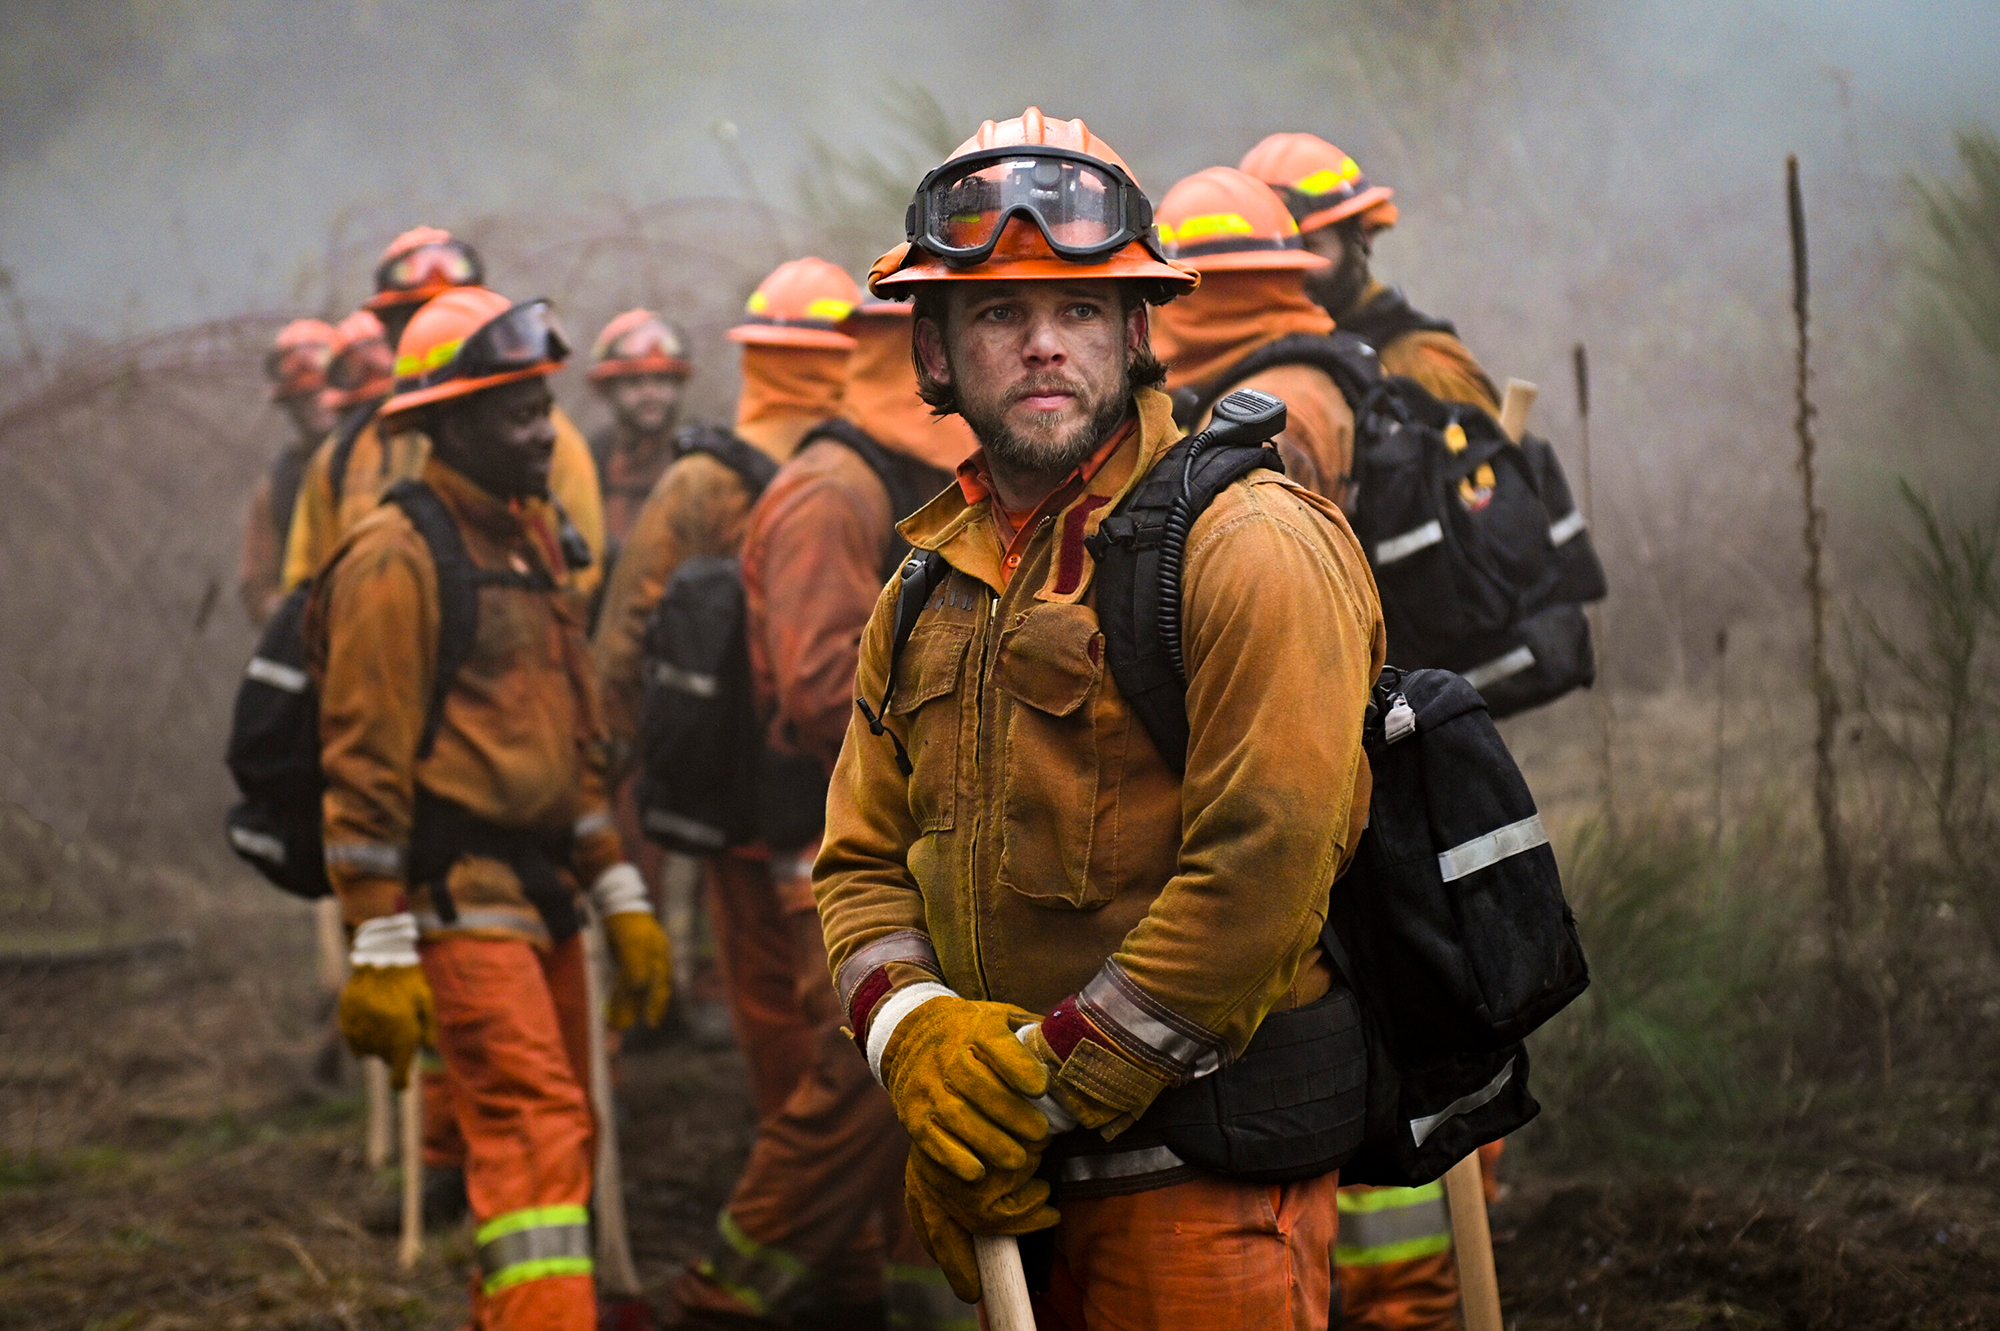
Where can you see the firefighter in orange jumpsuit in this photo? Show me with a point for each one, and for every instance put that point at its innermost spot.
(1394, 1259)
(1340, 214)
(818, 1211)
(355, 467)
(1236, 232)
(794, 361)
(297, 369)
(466, 802)
(1010, 865)
(639, 364)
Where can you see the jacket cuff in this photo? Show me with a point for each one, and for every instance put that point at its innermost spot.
(596, 845)
(364, 898)
(891, 1013)
(878, 967)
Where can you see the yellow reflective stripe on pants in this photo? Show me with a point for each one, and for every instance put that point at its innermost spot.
(756, 1276)
(1381, 1225)
(919, 1298)
(538, 1243)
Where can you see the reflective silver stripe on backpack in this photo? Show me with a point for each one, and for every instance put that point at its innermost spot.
(277, 674)
(1421, 1128)
(259, 844)
(592, 823)
(1474, 855)
(376, 857)
(1120, 1164)
(1513, 663)
(1564, 528)
(687, 829)
(684, 681)
(1402, 547)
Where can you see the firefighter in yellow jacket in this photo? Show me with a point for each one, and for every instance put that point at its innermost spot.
(465, 804)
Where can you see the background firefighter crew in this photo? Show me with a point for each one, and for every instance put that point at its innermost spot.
(794, 362)
(833, 1157)
(456, 855)
(416, 266)
(1235, 231)
(1394, 1260)
(1041, 918)
(1339, 214)
(638, 364)
(297, 368)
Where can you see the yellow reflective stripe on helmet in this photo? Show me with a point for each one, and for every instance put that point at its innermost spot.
(1208, 224)
(533, 1217)
(442, 352)
(758, 303)
(831, 308)
(1330, 179)
(1353, 1201)
(1407, 1251)
(546, 1268)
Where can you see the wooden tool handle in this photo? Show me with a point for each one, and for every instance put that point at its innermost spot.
(1004, 1285)
(1515, 404)
(616, 1274)
(1472, 1244)
(412, 1244)
(381, 1141)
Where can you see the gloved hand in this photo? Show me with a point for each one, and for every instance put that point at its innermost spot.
(1095, 1086)
(645, 960)
(385, 1007)
(962, 1084)
(946, 1213)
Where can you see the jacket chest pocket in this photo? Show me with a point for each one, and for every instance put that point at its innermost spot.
(928, 703)
(1050, 671)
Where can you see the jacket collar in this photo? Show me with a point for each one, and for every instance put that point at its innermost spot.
(969, 538)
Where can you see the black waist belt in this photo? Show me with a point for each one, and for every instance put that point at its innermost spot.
(445, 832)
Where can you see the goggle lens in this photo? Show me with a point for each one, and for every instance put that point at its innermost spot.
(525, 335)
(447, 262)
(1078, 205)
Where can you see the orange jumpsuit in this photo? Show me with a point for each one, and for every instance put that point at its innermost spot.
(699, 507)
(520, 746)
(832, 1159)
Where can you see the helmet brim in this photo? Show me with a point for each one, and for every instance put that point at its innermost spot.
(451, 388)
(629, 366)
(1131, 262)
(1370, 198)
(1244, 261)
(789, 335)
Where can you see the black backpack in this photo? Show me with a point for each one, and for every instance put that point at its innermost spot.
(707, 778)
(274, 742)
(1485, 580)
(1448, 934)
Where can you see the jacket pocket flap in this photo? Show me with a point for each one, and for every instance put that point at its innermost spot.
(1052, 657)
(929, 667)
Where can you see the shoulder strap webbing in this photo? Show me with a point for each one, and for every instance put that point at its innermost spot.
(915, 581)
(459, 581)
(1348, 360)
(749, 462)
(1389, 316)
(351, 426)
(288, 471)
(911, 484)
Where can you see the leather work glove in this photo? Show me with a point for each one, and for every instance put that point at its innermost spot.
(386, 1009)
(963, 1085)
(645, 960)
(946, 1213)
(1095, 1086)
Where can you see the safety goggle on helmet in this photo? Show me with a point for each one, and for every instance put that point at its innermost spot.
(1086, 209)
(504, 343)
(424, 270)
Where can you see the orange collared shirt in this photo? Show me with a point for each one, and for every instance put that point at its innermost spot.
(975, 482)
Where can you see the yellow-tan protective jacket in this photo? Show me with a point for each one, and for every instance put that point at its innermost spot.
(318, 523)
(1041, 847)
(519, 744)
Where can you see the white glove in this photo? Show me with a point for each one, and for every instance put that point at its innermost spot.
(386, 940)
(620, 890)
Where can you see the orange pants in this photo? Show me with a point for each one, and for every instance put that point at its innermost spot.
(1211, 1254)
(513, 1026)
(1393, 1273)
(761, 964)
(444, 1144)
(818, 1213)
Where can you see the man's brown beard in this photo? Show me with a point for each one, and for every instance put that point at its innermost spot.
(1049, 457)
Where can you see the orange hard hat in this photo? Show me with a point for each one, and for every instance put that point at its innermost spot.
(1221, 219)
(362, 367)
(988, 213)
(296, 364)
(1319, 183)
(470, 339)
(421, 263)
(638, 342)
(801, 304)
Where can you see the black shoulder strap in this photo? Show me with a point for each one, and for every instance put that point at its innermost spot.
(1347, 359)
(911, 484)
(351, 426)
(459, 581)
(288, 471)
(748, 461)
(915, 581)
(1389, 316)
(1139, 549)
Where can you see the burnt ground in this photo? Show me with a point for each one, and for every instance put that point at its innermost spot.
(170, 1164)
